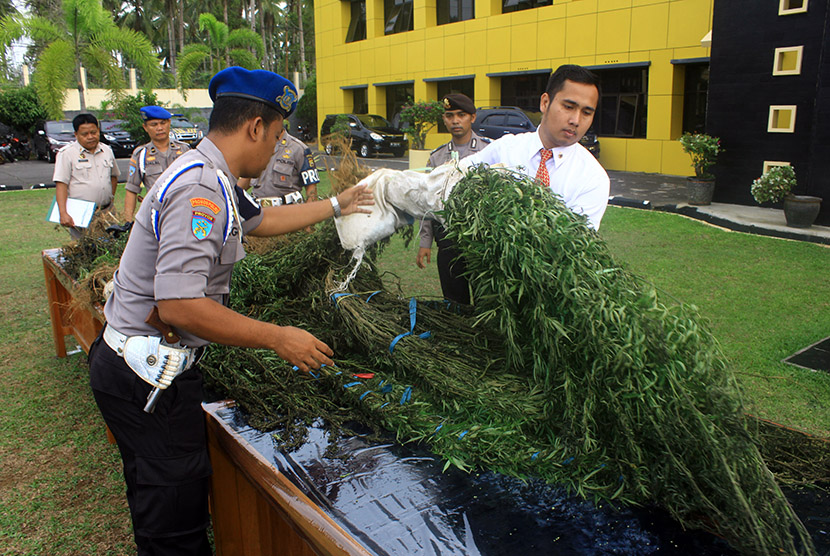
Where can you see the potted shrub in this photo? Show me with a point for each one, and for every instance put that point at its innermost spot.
(776, 185)
(418, 119)
(704, 150)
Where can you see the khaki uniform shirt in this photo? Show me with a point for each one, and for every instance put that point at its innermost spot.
(87, 173)
(186, 238)
(147, 163)
(290, 169)
(441, 155)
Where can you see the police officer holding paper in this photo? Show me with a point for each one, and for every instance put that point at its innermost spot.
(84, 169)
(459, 116)
(169, 301)
(148, 161)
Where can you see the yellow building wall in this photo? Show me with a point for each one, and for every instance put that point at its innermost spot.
(585, 32)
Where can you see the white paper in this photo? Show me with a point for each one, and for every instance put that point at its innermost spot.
(81, 212)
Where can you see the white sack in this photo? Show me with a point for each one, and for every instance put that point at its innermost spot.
(401, 197)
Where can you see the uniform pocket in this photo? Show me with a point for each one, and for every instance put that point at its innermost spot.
(81, 170)
(152, 172)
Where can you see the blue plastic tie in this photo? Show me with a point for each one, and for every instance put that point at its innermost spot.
(407, 393)
(413, 308)
(315, 375)
(384, 405)
(534, 456)
(462, 435)
(336, 297)
(364, 394)
(438, 428)
(567, 461)
(349, 385)
(372, 295)
(386, 389)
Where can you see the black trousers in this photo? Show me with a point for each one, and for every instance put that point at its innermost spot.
(450, 267)
(166, 465)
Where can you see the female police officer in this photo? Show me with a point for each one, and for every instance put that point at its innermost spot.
(169, 302)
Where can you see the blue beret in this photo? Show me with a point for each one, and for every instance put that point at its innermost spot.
(154, 113)
(264, 86)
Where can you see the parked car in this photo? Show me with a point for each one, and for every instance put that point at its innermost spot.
(371, 134)
(51, 136)
(182, 129)
(497, 121)
(118, 138)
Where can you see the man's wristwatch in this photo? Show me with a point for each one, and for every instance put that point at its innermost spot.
(335, 205)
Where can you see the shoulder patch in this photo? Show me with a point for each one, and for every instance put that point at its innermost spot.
(205, 203)
(201, 223)
(203, 216)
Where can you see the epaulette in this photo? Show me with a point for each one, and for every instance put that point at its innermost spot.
(438, 149)
(137, 150)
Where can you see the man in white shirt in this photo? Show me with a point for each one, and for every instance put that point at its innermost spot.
(568, 106)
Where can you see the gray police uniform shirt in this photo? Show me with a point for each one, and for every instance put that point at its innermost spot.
(200, 224)
(147, 163)
(87, 173)
(290, 169)
(439, 156)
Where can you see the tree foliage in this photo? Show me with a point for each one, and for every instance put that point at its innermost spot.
(420, 117)
(307, 105)
(126, 108)
(242, 47)
(88, 37)
(20, 108)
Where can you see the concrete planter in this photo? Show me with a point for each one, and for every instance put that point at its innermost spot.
(801, 210)
(700, 191)
(418, 159)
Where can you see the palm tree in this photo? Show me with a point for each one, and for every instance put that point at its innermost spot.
(222, 44)
(87, 37)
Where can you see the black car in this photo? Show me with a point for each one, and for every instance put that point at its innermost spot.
(51, 136)
(497, 121)
(370, 134)
(119, 140)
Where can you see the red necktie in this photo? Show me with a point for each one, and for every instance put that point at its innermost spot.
(542, 172)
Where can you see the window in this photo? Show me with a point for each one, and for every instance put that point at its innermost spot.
(695, 93)
(781, 119)
(360, 100)
(450, 11)
(396, 97)
(357, 25)
(787, 60)
(519, 5)
(398, 16)
(623, 107)
(524, 91)
(770, 163)
(787, 7)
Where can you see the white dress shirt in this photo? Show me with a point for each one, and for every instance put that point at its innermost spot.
(575, 174)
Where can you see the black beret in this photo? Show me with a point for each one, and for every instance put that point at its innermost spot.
(457, 101)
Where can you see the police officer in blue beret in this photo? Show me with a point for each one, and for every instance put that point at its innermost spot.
(170, 301)
(148, 161)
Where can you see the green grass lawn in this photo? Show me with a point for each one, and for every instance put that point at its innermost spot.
(60, 487)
